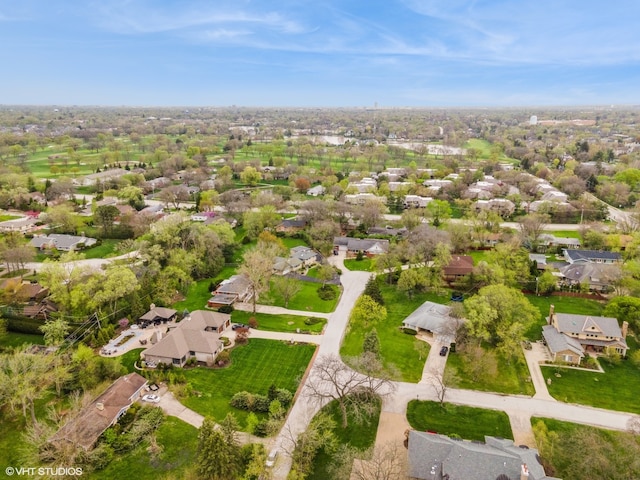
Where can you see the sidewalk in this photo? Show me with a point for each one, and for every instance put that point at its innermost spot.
(534, 357)
(248, 307)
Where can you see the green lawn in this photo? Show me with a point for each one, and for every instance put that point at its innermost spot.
(306, 299)
(5, 217)
(467, 422)
(616, 389)
(106, 249)
(364, 265)
(396, 347)
(361, 436)
(254, 367)
(512, 377)
(478, 255)
(566, 233)
(179, 441)
(291, 242)
(130, 358)
(581, 306)
(15, 339)
(278, 323)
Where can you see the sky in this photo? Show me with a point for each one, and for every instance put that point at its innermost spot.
(348, 53)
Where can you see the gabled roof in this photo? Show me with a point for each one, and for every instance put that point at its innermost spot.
(438, 457)
(575, 324)
(158, 312)
(93, 420)
(591, 255)
(559, 342)
(236, 284)
(459, 265)
(592, 273)
(370, 245)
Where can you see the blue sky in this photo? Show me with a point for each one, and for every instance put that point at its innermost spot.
(320, 53)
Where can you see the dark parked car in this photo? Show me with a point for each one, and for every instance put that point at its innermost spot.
(457, 297)
(443, 351)
(236, 326)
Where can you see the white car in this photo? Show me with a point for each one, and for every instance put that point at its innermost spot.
(271, 459)
(151, 398)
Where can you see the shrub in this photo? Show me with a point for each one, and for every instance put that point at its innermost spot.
(242, 400)
(284, 396)
(313, 320)
(225, 341)
(253, 323)
(327, 292)
(226, 309)
(261, 429)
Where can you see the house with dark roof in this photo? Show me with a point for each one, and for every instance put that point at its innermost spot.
(291, 226)
(234, 289)
(458, 267)
(85, 429)
(438, 457)
(593, 256)
(158, 315)
(196, 336)
(594, 334)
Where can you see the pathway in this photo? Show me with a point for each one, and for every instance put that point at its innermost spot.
(248, 307)
(538, 354)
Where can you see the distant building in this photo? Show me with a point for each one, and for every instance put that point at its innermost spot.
(62, 242)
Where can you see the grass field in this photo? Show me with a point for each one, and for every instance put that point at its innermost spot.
(278, 323)
(616, 389)
(566, 234)
(467, 422)
(512, 377)
(179, 441)
(306, 299)
(254, 367)
(15, 339)
(364, 265)
(396, 347)
(361, 436)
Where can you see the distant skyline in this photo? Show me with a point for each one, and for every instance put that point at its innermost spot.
(414, 53)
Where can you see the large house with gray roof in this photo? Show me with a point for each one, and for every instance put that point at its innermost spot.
(565, 332)
(438, 457)
(430, 317)
(368, 246)
(593, 256)
(65, 243)
(196, 336)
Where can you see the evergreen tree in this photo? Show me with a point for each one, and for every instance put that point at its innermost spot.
(373, 290)
(217, 458)
(371, 343)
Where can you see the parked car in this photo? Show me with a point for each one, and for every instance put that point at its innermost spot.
(271, 459)
(236, 326)
(457, 297)
(443, 351)
(150, 397)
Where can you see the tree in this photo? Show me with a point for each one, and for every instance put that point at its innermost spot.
(287, 288)
(257, 267)
(531, 227)
(371, 343)
(217, 457)
(546, 283)
(479, 363)
(500, 315)
(367, 311)
(411, 280)
(387, 263)
(354, 391)
(373, 290)
(55, 331)
(438, 210)
(384, 462)
(104, 216)
(250, 176)
(625, 309)
(325, 273)
(318, 435)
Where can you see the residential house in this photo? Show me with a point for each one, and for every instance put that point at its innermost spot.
(438, 457)
(22, 224)
(285, 266)
(316, 191)
(388, 230)
(416, 201)
(99, 177)
(599, 276)
(290, 226)
(66, 243)
(501, 206)
(85, 429)
(458, 267)
(562, 348)
(547, 241)
(594, 334)
(306, 255)
(234, 289)
(368, 246)
(158, 315)
(197, 336)
(433, 318)
(594, 256)
(362, 198)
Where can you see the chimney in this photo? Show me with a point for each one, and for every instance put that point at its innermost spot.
(625, 329)
(551, 313)
(524, 472)
(100, 406)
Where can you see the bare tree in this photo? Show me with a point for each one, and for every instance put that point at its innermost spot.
(387, 462)
(257, 269)
(354, 391)
(287, 287)
(531, 227)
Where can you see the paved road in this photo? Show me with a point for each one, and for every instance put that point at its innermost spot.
(90, 263)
